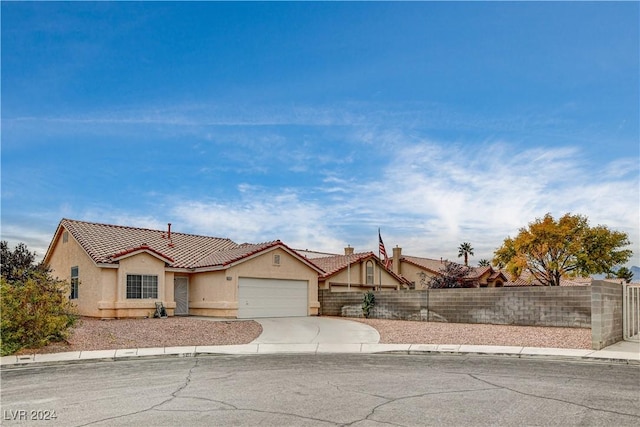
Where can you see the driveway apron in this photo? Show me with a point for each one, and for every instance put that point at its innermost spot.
(312, 330)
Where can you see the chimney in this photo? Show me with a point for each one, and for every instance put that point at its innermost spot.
(348, 250)
(397, 253)
(169, 236)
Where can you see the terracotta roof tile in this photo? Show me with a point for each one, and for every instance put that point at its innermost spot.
(433, 265)
(103, 242)
(333, 264)
(527, 279)
(235, 254)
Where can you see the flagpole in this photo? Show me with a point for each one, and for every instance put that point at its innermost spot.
(379, 255)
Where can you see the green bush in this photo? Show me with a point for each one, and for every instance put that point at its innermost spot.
(368, 303)
(33, 312)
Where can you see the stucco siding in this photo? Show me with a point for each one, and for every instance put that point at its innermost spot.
(216, 293)
(211, 294)
(65, 255)
(413, 274)
(289, 268)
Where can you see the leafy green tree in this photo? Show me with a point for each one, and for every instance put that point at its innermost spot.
(35, 307)
(625, 274)
(464, 250)
(484, 263)
(568, 247)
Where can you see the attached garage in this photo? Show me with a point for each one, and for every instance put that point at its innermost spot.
(272, 298)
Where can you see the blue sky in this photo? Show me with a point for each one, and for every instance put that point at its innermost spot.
(317, 123)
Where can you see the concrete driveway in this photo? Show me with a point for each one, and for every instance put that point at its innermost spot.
(314, 330)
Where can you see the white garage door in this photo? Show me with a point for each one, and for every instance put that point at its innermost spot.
(271, 298)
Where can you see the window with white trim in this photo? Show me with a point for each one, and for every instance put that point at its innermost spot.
(142, 286)
(74, 283)
(369, 272)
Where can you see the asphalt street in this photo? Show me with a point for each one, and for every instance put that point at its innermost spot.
(318, 390)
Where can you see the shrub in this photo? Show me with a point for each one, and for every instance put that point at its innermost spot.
(34, 312)
(368, 303)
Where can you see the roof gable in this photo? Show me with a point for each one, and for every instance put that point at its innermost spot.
(142, 249)
(246, 251)
(335, 263)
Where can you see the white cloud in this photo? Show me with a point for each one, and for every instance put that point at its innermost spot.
(428, 199)
(260, 216)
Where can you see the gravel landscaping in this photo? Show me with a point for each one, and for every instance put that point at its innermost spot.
(95, 334)
(407, 332)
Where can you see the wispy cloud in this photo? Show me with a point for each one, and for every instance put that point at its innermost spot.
(427, 194)
(429, 198)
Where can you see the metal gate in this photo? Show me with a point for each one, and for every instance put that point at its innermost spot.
(631, 312)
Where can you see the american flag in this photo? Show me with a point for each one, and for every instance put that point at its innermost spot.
(383, 251)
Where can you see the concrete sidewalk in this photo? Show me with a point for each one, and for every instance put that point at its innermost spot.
(319, 335)
(622, 352)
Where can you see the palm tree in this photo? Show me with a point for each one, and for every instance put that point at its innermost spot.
(465, 250)
(484, 263)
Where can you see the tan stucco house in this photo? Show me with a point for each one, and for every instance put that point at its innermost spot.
(116, 271)
(356, 272)
(418, 271)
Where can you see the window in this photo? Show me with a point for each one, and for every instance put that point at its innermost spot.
(74, 283)
(140, 286)
(369, 272)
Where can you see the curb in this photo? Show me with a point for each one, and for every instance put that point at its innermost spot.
(601, 356)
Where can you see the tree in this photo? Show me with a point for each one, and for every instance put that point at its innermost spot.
(451, 276)
(464, 250)
(19, 263)
(484, 263)
(568, 247)
(35, 307)
(625, 274)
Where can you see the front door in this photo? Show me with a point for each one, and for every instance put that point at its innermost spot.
(181, 295)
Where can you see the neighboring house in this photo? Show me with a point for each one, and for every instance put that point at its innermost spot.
(527, 279)
(117, 271)
(418, 271)
(355, 272)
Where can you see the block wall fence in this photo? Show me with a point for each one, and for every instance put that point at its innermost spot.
(598, 307)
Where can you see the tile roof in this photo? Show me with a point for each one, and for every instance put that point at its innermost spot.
(527, 279)
(433, 265)
(332, 264)
(314, 254)
(335, 263)
(104, 242)
(107, 244)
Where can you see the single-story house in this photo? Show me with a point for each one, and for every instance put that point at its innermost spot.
(418, 271)
(116, 271)
(527, 279)
(356, 272)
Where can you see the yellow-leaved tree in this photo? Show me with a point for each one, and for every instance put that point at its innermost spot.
(568, 247)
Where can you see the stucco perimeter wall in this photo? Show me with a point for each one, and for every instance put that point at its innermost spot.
(565, 307)
(606, 314)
